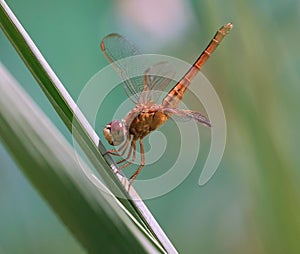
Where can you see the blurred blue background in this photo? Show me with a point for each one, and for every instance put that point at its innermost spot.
(252, 204)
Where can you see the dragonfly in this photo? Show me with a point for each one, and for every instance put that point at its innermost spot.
(148, 115)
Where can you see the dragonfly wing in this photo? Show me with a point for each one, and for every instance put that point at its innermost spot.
(187, 115)
(156, 79)
(115, 47)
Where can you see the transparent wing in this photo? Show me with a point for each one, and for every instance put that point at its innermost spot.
(186, 115)
(115, 47)
(156, 79)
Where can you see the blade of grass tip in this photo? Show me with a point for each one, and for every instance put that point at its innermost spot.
(95, 218)
(77, 123)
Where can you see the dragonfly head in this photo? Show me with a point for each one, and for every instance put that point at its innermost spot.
(115, 133)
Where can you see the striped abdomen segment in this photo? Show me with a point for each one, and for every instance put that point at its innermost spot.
(176, 93)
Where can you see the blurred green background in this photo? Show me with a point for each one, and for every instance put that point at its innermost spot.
(252, 204)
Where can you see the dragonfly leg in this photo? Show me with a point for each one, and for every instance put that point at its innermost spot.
(133, 157)
(124, 146)
(116, 152)
(132, 149)
(133, 177)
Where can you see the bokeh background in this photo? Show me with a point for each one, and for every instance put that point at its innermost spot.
(252, 204)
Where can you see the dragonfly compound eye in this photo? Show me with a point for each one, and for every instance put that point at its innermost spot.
(114, 133)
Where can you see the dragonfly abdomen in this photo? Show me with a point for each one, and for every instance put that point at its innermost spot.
(176, 93)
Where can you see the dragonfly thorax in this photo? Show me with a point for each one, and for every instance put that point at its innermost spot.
(146, 122)
(115, 132)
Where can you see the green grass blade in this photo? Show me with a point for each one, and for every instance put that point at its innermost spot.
(98, 220)
(76, 122)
